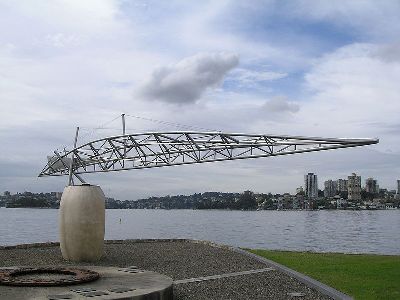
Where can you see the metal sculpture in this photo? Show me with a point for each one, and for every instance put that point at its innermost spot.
(82, 209)
(162, 149)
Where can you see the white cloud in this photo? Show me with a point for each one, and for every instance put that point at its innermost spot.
(353, 92)
(246, 77)
(388, 52)
(92, 16)
(61, 40)
(280, 104)
(187, 80)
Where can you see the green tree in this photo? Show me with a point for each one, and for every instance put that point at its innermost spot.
(247, 200)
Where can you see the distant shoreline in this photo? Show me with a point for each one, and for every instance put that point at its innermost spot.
(222, 209)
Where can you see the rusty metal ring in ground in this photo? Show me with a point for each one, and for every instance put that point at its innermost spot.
(32, 276)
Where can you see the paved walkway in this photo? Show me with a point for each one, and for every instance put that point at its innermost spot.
(200, 270)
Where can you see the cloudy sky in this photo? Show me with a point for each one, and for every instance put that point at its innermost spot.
(318, 68)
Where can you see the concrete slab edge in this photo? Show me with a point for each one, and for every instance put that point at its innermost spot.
(315, 284)
(33, 245)
(57, 244)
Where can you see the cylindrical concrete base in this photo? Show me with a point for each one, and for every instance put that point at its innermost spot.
(82, 223)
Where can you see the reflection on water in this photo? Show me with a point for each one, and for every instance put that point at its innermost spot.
(326, 231)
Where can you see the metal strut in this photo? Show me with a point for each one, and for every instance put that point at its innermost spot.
(71, 165)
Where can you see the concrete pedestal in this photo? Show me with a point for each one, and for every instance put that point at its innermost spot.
(82, 223)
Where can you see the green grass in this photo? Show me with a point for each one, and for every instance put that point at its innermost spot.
(361, 276)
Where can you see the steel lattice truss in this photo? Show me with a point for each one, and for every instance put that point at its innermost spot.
(161, 149)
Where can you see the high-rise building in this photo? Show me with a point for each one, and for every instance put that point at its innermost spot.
(330, 188)
(354, 187)
(398, 187)
(311, 185)
(371, 186)
(341, 185)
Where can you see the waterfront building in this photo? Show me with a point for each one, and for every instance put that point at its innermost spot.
(329, 188)
(311, 186)
(398, 187)
(371, 186)
(354, 187)
(300, 200)
(341, 203)
(341, 185)
(299, 190)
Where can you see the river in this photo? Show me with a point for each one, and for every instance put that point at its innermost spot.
(321, 231)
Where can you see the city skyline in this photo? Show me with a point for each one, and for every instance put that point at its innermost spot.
(334, 184)
(369, 184)
(276, 67)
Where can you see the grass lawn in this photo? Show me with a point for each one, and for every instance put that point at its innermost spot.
(361, 276)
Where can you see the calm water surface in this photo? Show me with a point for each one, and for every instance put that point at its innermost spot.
(324, 231)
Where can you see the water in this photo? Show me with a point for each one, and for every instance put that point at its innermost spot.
(322, 231)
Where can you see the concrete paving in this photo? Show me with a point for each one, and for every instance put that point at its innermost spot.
(201, 270)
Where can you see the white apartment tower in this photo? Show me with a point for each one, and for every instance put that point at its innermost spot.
(311, 185)
(398, 187)
(354, 187)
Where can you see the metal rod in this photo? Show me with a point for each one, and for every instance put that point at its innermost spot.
(123, 124)
(80, 178)
(123, 133)
(71, 165)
